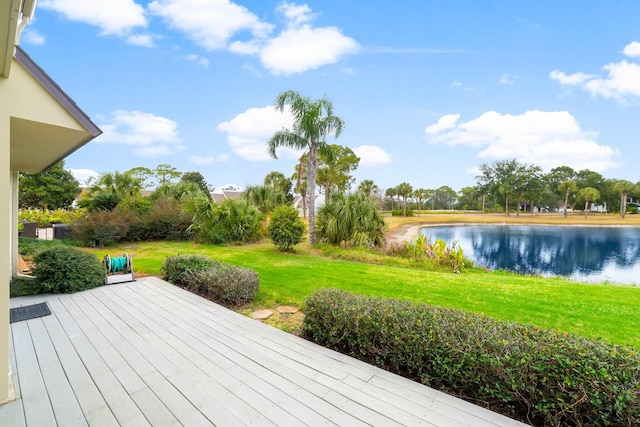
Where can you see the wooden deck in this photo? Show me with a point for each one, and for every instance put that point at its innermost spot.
(149, 353)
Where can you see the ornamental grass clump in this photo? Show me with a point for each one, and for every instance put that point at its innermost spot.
(217, 281)
(539, 376)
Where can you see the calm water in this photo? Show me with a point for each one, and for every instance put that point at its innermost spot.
(589, 254)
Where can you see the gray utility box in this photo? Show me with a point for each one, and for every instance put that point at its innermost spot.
(61, 231)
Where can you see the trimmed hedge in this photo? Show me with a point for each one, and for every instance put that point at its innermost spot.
(211, 279)
(65, 269)
(540, 376)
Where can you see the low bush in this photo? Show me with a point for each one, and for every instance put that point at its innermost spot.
(227, 284)
(540, 376)
(28, 247)
(400, 212)
(214, 280)
(423, 248)
(176, 269)
(65, 269)
(20, 287)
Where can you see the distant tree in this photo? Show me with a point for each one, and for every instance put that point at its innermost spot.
(55, 188)
(368, 187)
(280, 183)
(566, 188)
(264, 197)
(468, 198)
(198, 180)
(334, 170)
(314, 121)
(500, 177)
(110, 189)
(420, 195)
(443, 197)
(300, 176)
(165, 173)
(391, 192)
(623, 187)
(526, 179)
(145, 175)
(588, 194)
(404, 189)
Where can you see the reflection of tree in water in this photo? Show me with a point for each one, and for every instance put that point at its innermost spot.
(546, 249)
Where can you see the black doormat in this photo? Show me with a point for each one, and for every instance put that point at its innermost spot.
(28, 312)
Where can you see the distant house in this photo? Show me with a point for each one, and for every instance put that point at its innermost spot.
(39, 126)
(227, 192)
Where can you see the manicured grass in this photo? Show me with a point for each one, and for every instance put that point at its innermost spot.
(598, 311)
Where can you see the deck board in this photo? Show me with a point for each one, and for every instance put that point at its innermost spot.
(149, 353)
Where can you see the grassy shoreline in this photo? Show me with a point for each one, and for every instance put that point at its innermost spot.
(597, 311)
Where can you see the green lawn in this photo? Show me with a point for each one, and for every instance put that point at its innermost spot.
(600, 311)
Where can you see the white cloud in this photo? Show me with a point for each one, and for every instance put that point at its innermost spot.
(622, 79)
(84, 175)
(197, 59)
(32, 37)
(632, 50)
(300, 46)
(372, 155)
(212, 23)
(507, 79)
(113, 17)
(144, 40)
(248, 132)
(208, 160)
(570, 79)
(306, 48)
(445, 122)
(148, 134)
(544, 138)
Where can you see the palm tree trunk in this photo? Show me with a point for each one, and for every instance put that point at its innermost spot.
(304, 205)
(566, 200)
(586, 210)
(327, 193)
(311, 190)
(623, 205)
(506, 209)
(404, 205)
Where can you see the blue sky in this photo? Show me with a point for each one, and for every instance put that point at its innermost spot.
(428, 89)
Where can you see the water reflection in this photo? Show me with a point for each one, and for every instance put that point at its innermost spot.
(593, 254)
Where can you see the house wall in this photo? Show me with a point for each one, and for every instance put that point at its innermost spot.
(6, 224)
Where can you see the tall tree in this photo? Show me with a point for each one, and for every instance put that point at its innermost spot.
(566, 188)
(420, 194)
(334, 171)
(313, 122)
(197, 179)
(166, 173)
(55, 188)
(526, 178)
(280, 183)
(110, 189)
(391, 192)
(623, 187)
(588, 194)
(500, 177)
(368, 187)
(300, 176)
(404, 189)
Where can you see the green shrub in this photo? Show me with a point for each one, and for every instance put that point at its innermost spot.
(20, 287)
(100, 228)
(65, 269)
(540, 376)
(215, 280)
(176, 269)
(28, 247)
(231, 221)
(285, 228)
(224, 283)
(399, 212)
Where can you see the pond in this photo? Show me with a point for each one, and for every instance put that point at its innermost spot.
(586, 254)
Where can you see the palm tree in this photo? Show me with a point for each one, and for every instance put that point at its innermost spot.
(589, 195)
(391, 192)
(420, 194)
(404, 190)
(368, 187)
(567, 187)
(623, 187)
(313, 122)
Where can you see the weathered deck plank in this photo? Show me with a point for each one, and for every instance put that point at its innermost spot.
(148, 353)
